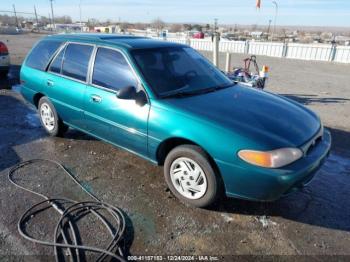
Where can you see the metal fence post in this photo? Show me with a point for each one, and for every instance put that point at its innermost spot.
(285, 49)
(216, 49)
(188, 41)
(228, 62)
(333, 52)
(246, 47)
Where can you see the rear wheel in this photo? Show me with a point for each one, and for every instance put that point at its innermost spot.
(49, 119)
(190, 176)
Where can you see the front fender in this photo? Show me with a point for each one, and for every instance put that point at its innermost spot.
(220, 143)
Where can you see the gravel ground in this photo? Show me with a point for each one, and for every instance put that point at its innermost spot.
(314, 221)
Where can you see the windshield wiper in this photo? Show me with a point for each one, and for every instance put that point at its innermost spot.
(212, 89)
(199, 91)
(178, 94)
(224, 86)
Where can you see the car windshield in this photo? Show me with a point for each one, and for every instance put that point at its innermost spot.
(178, 70)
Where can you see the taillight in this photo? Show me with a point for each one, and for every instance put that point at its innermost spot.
(3, 49)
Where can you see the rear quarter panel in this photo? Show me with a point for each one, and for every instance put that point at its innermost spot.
(32, 82)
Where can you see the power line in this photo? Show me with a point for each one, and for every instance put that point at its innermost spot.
(17, 12)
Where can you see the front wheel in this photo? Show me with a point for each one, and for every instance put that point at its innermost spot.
(49, 119)
(190, 176)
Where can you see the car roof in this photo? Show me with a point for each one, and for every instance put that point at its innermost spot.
(126, 41)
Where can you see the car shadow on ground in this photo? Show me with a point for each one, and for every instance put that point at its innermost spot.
(19, 126)
(324, 202)
(12, 78)
(22, 129)
(78, 135)
(312, 99)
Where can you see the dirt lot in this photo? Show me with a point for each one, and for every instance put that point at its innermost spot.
(314, 221)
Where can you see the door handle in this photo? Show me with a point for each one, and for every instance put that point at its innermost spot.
(49, 83)
(96, 98)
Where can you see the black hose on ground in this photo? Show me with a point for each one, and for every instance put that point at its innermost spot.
(65, 236)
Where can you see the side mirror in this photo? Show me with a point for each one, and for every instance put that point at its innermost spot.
(128, 92)
(141, 98)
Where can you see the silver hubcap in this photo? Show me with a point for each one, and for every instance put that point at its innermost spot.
(47, 116)
(188, 178)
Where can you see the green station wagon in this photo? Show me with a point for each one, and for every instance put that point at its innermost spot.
(165, 102)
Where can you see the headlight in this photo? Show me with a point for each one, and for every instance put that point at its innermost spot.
(272, 159)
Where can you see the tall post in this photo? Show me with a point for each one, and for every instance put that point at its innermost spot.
(50, 19)
(36, 18)
(276, 12)
(285, 49)
(188, 40)
(268, 29)
(216, 39)
(52, 16)
(81, 28)
(216, 49)
(14, 11)
(333, 52)
(228, 62)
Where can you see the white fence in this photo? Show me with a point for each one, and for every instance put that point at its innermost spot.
(342, 54)
(266, 48)
(310, 52)
(315, 52)
(232, 46)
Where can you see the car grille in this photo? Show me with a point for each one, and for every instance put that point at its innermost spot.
(312, 145)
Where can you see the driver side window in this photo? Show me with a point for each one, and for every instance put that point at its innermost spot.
(112, 71)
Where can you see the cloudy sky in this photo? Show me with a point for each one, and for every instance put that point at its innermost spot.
(290, 12)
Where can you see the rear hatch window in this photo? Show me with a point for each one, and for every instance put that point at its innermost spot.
(41, 54)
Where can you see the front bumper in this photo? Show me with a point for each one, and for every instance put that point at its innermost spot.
(265, 184)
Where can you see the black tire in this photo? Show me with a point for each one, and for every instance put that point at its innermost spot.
(59, 128)
(196, 154)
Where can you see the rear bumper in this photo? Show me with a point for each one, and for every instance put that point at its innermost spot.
(264, 184)
(4, 62)
(4, 68)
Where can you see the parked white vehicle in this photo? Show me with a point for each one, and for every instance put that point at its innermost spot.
(4, 59)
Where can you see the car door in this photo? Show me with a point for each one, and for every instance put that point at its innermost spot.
(120, 121)
(66, 81)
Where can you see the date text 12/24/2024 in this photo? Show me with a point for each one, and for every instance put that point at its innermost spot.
(172, 258)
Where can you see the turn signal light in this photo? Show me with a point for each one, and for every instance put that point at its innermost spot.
(271, 159)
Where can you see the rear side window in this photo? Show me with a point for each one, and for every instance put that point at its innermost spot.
(112, 71)
(56, 64)
(76, 61)
(42, 53)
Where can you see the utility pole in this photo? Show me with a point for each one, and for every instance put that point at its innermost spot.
(36, 18)
(215, 25)
(268, 28)
(52, 16)
(50, 21)
(81, 27)
(276, 12)
(14, 11)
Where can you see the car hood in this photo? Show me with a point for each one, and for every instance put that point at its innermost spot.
(254, 114)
